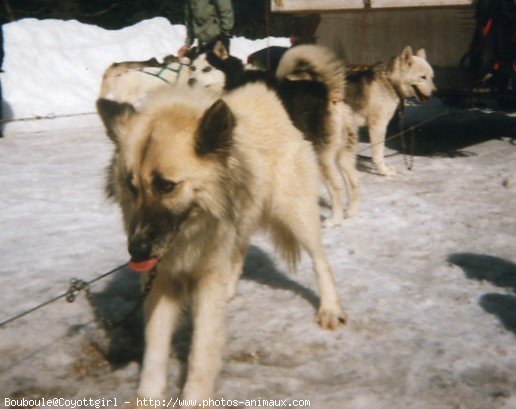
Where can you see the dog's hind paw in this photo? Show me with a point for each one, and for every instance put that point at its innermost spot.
(330, 319)
(332, 222)
(352, 212)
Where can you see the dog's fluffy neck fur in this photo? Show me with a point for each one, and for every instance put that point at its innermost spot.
(387, 70)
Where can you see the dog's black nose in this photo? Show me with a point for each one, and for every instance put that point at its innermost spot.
(139, 249)
(192, 81)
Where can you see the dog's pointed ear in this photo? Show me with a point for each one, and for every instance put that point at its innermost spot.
(215, 132)
(116, 117)
(220, 50)
(421, 53)
(406, 56)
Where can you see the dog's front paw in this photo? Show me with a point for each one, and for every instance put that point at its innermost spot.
(331, 319)
(385, 170)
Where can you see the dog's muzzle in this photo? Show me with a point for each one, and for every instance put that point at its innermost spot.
(140, 249)
(152, 235)
(419, 95)
(192, 82)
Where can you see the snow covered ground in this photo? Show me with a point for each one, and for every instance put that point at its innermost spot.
(426, 272)
(54, 67)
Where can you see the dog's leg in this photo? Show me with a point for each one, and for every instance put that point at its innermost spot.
(330, 314)
(377, 134)
(333, 181)
(304, 224)
(347, 163)
(205, 359)
(328, 156)
(237, 264)
(162, 308)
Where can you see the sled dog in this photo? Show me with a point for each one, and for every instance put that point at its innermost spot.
(116, 69)
(131, 81)
(310, 83)
(195, 177)
(374, 95)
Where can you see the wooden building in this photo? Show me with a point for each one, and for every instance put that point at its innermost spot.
(368, 31)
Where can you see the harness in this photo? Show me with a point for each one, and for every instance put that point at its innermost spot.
(164, 68)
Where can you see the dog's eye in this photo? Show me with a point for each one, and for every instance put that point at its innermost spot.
(206, 69)
(192, 68)
(163, 186)
(423, 77)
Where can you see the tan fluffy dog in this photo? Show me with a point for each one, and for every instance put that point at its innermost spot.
(131, 81)
(196, 177)
(374, 95)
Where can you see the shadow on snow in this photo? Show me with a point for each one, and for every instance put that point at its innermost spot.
(118, 308)
(497, 271)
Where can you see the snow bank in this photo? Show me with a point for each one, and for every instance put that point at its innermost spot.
(54, 67)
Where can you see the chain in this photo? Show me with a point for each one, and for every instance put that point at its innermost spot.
(77, 285)
(407, 159)
(148, 285)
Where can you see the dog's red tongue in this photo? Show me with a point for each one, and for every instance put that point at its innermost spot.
(143, 266)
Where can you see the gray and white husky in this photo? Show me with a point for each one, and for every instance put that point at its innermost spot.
(374, 95)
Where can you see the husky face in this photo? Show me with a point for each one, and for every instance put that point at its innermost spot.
(169, 165)
(207, 70)
(415, 75)
(204, 74)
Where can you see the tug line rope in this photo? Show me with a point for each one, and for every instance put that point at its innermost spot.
(49, 116)
(70, 294)
(409, 129)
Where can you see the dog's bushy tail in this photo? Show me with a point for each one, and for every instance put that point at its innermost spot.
(316, 63)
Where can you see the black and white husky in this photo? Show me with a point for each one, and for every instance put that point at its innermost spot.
(310, 84)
